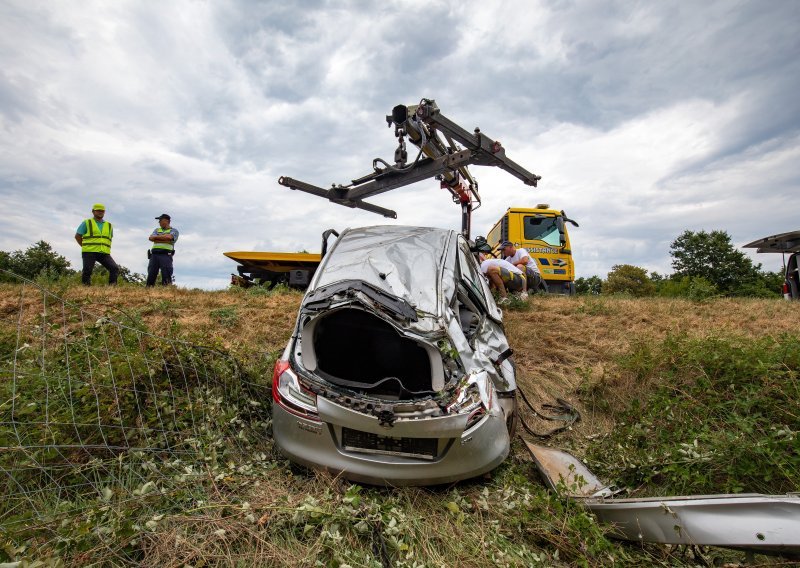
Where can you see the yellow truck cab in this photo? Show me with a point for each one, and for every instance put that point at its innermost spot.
(543, 233)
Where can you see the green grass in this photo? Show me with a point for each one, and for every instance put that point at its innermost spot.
(719, 414)
(226, 316)
(693, 414)
(508, 520)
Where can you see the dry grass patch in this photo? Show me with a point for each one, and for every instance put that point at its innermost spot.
(263, 321)
(566, 344)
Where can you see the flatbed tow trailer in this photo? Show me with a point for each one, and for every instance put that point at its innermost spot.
(755, 523)
(293, 269)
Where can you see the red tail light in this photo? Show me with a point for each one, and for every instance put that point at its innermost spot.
(280, 366)
(290, 395)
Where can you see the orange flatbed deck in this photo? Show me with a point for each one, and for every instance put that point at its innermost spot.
(275, 261)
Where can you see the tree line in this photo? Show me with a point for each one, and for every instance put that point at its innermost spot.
(705, 264)
(40, 262)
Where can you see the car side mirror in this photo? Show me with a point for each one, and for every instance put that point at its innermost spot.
(480, 245)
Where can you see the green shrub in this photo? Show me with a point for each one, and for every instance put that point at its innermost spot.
(628, 279)
(710, 415)
(592, 285)
(37, 261)
(691, 287)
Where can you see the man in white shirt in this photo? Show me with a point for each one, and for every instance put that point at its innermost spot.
(520, 258)
(503, 275)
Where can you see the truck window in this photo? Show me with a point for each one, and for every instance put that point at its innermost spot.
(541, 229)
(495, 236)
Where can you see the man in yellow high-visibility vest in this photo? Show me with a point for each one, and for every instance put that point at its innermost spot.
(95, 235)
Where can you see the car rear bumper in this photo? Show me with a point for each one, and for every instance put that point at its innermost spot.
(395, 455)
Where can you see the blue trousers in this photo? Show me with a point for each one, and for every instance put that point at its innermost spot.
(162, 262)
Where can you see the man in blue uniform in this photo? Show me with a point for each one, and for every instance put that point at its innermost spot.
(163, 239)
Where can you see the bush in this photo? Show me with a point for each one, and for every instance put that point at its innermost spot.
(712, 257)
(628, 279)
(712, 415)
(690, 287)
(588, 286)
(37, 261)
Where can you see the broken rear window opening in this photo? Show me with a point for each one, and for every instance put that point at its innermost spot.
(360, 351)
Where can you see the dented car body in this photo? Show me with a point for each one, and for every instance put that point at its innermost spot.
(398, 371)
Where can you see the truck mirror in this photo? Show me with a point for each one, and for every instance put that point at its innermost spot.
(567, 219)
(561, 237)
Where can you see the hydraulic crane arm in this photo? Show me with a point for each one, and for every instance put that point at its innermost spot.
(485, 151)
(440, 156)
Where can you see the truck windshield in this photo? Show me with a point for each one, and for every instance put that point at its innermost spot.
(541, 229)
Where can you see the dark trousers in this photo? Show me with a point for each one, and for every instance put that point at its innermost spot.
(105, 260)
(162, 262)
(534, 280)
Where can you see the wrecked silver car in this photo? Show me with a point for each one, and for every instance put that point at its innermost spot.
(398, 371)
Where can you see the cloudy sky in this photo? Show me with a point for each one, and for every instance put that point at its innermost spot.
(644, 119)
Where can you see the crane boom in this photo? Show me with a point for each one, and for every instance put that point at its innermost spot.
(445, 151)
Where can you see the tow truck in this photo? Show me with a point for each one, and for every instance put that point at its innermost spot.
(541, 231)
(439, 140)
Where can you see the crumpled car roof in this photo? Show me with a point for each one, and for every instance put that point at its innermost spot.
(406, 262)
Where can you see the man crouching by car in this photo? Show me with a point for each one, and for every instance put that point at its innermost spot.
(503, 276)
(163, 239)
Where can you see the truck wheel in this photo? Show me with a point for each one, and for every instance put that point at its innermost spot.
(542, 287)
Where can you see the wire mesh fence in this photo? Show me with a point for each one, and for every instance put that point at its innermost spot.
(105, 427)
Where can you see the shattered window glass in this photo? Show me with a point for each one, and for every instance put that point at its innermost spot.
(470, 272)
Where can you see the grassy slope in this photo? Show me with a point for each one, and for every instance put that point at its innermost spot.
(574, 348)
(562, 343)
